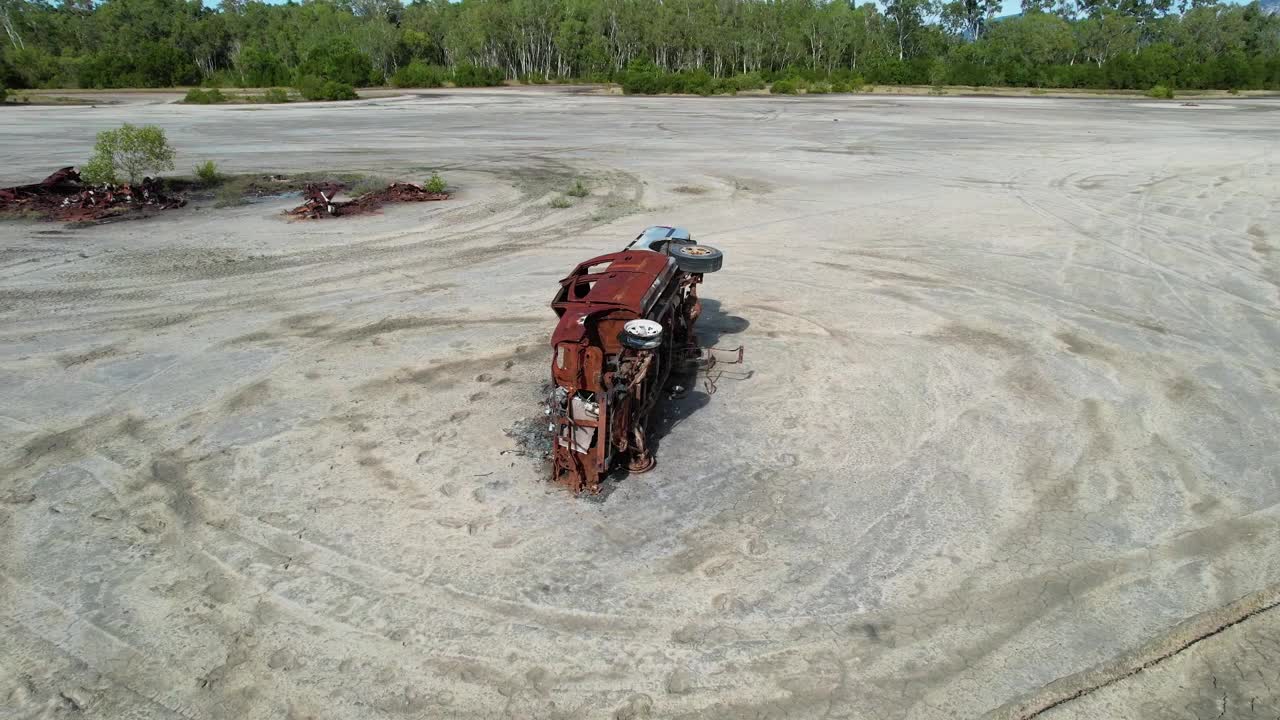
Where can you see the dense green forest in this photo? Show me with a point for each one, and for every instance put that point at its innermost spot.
(709, 45)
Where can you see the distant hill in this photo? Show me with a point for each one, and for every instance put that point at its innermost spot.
(1271, 6)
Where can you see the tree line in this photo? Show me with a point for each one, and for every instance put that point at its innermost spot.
(1052, 43)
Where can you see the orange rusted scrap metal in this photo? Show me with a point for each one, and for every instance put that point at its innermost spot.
(624, 341)
(319, 202)
(65, 196)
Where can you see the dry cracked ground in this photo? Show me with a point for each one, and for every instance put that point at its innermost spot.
(1005, 441)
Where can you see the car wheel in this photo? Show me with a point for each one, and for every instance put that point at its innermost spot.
(697, 258)
(641, 334)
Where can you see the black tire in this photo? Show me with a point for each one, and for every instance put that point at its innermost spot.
(697, 258)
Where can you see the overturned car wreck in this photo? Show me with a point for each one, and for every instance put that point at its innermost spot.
(625, 330)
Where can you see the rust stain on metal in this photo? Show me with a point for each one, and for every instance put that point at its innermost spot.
(65, 196)
(319, 202)
(625, 334)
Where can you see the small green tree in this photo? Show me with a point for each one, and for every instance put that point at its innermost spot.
(129, 152)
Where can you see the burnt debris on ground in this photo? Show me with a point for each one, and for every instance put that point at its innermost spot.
(320, 203)
(65, 196)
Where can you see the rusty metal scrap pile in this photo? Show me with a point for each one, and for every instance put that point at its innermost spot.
(319, 202)
(65, 196)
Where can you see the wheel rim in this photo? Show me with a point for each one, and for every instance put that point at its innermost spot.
(643, 329)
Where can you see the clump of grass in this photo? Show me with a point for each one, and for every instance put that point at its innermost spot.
(561, 202)
(1163, 92)
(1039, 91)
(230, 194)
(578, 190)
(275, 95)
(208, 173)
(365, 184)
(436, 184)
(689, 189)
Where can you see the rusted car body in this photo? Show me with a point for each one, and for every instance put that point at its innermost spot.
(626, 323)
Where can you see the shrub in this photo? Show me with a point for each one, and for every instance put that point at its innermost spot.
(364, 185)
(257, 67)
(840, 87)
(341, 61)
(468, 75)
(207, 171)
(418, 74)
(819, 88)
(436, 183)
(220, 79)
(561, 202)
(196, 96)
(693, 82)
(313, 88)
(578, 189)
(3, 93)
(229, 195)
(1164, 92)
(130, 153)
(642, 78)
(310, 87)
(275, 95)
(784, 87)
(749, 81)
(724, 86)
(334, 90)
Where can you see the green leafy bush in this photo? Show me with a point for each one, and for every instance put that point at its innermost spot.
(275, 95)
(691, 82)
(339, 60)
(749, 81)
(819, 88)
(4, 94)
(784, 87)
(840, 87)
(196, 96)
(435, 184)
(642, 78)
(468, 75)
(128, 153)
(418, 74)
(334, 90)
(313, 88)
(207, 171)
(1164, 92)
